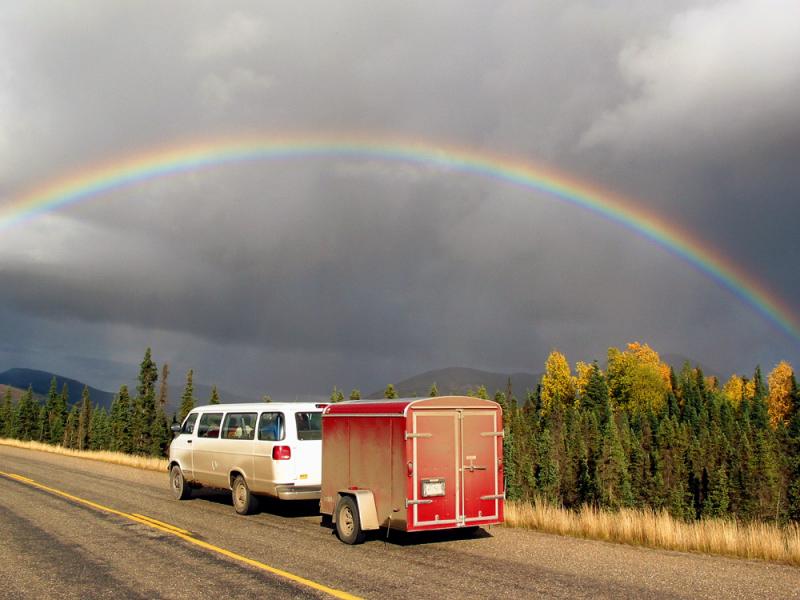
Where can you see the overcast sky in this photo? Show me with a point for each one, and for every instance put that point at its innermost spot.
(290, 277)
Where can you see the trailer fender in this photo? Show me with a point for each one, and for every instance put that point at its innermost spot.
(368, 515)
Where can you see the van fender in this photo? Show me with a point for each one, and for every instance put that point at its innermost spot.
(368, 515)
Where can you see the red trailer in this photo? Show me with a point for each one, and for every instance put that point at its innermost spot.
(412, 464)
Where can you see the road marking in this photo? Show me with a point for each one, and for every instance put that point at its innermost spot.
(161, 523)
(186, 536)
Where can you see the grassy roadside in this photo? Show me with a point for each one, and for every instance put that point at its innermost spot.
(763, 541)
(118, 458)
(635, 527)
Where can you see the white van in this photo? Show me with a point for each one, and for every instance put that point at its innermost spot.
(266, 448)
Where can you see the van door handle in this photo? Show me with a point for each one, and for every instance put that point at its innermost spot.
(188, 441)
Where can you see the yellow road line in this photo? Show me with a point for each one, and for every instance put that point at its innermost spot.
(182, 534)
(161, 523)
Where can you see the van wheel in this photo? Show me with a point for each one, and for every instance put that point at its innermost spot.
(348, 522)
(244, 501)
(177, 483)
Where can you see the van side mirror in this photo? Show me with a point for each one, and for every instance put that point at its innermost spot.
(176, 428)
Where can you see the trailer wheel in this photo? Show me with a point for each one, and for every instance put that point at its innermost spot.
(244, 502)
(348, 521)
(177, 483)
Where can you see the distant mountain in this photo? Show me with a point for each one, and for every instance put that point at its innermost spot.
(40, 382)
(459, 380)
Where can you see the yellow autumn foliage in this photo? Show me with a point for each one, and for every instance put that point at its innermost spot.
(781, 392)
(637, 379)
(734, 389)
(582, 372)
(558, 384)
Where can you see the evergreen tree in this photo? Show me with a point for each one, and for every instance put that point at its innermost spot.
(160, 433)
(26, 416)
(434, 391)
(612, 469)
(71, 429)
(214, 396)
(6, 415)
(355, 395)
(389, 393)
(121, 439)
(99, 430)
(336, 395)
(84, 420)
(163, 391)
(547, 471)
(144, 413)
(187, 399)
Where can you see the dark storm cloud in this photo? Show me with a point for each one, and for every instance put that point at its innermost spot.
(309, 273)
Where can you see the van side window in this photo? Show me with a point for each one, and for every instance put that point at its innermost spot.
(271, 427)
(309, 425)
(188, 424)
(239, 426)
(209, 425)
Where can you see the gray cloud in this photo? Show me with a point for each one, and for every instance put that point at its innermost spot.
(295, 275)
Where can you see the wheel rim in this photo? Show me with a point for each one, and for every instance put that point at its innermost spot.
(177, 481)
(239, 495)
(347, 521)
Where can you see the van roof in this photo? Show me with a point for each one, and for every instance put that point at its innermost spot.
(259, 406)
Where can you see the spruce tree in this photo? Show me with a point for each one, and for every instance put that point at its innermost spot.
(144, 413)
(99, 431)
(163, 392)
(71, 429)
(434, 391)
(187, 399)
(355, 394)
(6, 415)
(612, 469)
(120, 422)
(336, 395)
(389, 393)
(214, 396)
(84, 420)
(26, 416)
(547, 471)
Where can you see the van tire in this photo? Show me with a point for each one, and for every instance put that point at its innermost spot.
(177, 483)
(244, 502)
(348, 521)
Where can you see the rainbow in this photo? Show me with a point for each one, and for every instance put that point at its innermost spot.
(165, 161)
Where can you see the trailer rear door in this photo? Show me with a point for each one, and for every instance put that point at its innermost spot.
(479, 469)
(455, 468)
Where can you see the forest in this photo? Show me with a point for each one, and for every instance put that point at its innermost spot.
(635, 434)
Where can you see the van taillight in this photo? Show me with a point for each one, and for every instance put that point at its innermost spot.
(281, 453)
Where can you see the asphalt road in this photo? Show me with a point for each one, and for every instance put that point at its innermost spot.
(52, 545)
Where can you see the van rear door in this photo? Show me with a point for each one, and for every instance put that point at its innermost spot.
(307, 449)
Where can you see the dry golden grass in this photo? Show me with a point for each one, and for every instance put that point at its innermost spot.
(659, 530)
(119, 458)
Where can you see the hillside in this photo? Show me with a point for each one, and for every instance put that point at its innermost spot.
(40, 382)
(16, 393)
(459, 380)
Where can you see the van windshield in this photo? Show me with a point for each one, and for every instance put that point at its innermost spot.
(309, 425)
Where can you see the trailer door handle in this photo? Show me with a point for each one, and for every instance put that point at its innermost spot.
(473, 468)
(410, 502)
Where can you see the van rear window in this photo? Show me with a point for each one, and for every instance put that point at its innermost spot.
(271, 427)
(208, 427)
(309, 425)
